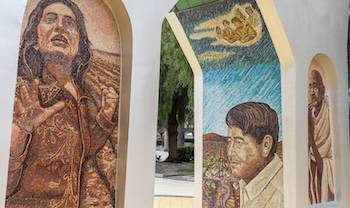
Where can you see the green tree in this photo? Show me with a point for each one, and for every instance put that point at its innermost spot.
(187, 4)
(176, 88)
(176, 81)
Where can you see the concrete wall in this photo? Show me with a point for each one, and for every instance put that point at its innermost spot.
(11, 13)
(146, 19)
(312, 27)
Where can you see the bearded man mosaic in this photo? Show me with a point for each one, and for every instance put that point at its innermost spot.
(64, 130)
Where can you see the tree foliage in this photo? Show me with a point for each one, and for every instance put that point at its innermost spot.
(186, 4)
(176, 81)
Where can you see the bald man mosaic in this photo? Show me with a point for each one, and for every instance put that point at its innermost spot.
(321, 162)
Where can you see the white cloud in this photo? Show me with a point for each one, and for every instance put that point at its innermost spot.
(215, 55)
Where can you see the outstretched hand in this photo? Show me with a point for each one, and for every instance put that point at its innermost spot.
(29, 114)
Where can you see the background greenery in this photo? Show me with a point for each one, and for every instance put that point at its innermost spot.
(176, 82)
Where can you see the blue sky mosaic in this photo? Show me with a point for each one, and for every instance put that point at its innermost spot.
(244, 74)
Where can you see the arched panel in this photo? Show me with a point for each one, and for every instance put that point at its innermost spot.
(240, 58)
(73, 82)
(322, 128)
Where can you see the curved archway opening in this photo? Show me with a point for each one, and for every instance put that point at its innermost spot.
(72, 101)
(322, 130)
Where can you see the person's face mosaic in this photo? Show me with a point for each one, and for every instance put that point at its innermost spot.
(58, 31)
(244, 154)
(315, 89)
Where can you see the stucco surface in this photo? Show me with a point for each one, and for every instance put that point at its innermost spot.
(312, 27)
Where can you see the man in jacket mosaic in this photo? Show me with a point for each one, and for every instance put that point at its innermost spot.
(64, 115)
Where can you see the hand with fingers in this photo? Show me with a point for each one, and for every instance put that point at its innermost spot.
(28, 113)
(109, 102)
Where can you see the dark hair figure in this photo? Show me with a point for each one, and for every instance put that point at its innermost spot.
(227, 33)
(240, 15)
(249, 10)
(244, 32)
(255, 119)
(225, 22)
(30, 59)
(251, 151)
(237, 21)
(218, 32)
(58, 128)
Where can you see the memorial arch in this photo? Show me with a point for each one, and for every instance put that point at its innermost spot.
(68, 145)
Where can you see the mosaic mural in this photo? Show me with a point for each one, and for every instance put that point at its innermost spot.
(321, 162)
(64, 131)
(242, 155)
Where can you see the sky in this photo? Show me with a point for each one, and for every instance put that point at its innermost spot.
(232, 73)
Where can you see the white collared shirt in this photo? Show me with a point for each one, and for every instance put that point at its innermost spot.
(266, 189)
